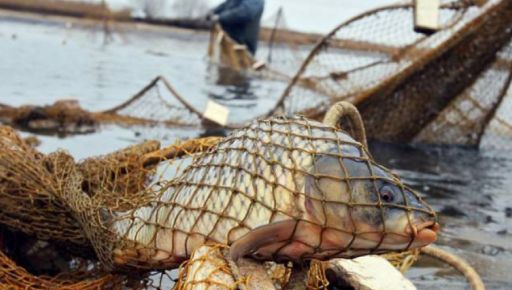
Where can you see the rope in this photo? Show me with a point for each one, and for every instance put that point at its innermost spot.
(335, 115)
(458, 263)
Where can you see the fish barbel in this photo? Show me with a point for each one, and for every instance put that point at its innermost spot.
(282, 189)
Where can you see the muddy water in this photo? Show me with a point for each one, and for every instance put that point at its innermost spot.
(43, 61)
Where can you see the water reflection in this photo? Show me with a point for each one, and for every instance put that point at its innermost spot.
(237, 84)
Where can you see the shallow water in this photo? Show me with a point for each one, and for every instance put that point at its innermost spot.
(48, 60)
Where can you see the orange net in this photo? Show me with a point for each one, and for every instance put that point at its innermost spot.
(12, 276)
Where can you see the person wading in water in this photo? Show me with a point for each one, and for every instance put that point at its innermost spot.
(241, 20)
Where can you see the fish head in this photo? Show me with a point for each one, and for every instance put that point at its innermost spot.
(364, 208)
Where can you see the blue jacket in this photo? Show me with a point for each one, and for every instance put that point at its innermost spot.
(241, 20)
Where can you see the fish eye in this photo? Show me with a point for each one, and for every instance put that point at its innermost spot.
(386, 194)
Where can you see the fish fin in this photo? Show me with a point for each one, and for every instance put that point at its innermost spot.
(262, 236)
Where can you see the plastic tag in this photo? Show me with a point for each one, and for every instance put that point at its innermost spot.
(216, 113)
(426, 16)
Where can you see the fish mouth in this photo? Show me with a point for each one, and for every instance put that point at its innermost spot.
(424, 233)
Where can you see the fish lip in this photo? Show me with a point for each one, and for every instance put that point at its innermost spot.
(424, 233)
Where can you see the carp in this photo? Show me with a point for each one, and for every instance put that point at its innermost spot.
(281, 189)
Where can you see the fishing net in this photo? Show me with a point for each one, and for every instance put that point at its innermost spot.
(156, 103)
(465, 119)
(208, 269)
(32, 187)
(282, 49)
(402, 80)
(27, 187)
(266, 173)
(225, 51)
(377, 61)
(423, 95)
(365, 52)
(13, 276)
(498, 134)
(64, 116)
(142, 209)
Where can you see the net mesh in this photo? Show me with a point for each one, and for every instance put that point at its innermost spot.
(27, 187)
(157, 103)
(365, 52)
(225, 51)
(32, 189)
(207, 269)
(463, 121)
(14, 276)
(64, 116)
(422, 95)
(282, 49)
(404, 82)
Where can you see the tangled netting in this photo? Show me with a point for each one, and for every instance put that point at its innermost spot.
(312, 187)
(36, 217)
